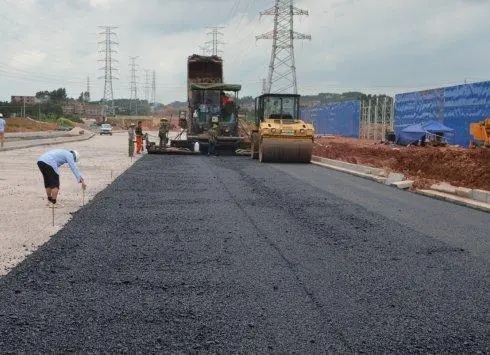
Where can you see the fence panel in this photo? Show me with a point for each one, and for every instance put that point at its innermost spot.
(338, 118)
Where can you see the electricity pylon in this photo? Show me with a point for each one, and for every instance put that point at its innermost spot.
(282, 67)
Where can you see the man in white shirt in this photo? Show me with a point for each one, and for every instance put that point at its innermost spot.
(49, 164)
(2, 130)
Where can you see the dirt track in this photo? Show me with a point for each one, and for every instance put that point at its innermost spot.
(426, 165)
(21, 124)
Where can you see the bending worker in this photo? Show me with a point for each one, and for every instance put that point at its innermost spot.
(49, 164)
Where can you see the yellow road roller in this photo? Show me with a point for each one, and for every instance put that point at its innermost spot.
(279, 135)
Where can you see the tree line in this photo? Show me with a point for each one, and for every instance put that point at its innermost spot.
(49, 106)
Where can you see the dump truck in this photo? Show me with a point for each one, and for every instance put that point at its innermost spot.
(480, 131)
(209, 101)
(278, 134)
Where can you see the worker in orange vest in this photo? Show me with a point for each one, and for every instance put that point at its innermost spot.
(139, 137)
(225, 99)
(226, 105)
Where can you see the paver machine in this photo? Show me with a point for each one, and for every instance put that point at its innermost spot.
(210, 101)
(214, 103)
(279, 135)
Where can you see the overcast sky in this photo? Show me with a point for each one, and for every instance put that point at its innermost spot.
(374, 46)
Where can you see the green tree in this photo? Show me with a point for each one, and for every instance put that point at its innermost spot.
(58, 95)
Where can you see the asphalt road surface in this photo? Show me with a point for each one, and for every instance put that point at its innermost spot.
(224, 254)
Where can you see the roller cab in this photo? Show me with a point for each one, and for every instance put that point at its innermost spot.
(279, 134)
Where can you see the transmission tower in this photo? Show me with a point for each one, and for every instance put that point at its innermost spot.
(108, 99)
(87, 96)
(282, 69)
(153, 88)
(133, 97)
(264, 86)
(147, 85)
(215, 42)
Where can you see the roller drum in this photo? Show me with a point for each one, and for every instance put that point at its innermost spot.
(285, 150)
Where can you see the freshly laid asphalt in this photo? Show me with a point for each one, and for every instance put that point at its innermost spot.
(224, 254)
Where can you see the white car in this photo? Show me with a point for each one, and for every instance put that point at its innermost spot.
(106, 128)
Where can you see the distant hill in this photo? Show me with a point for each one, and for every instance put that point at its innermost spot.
(178, 104)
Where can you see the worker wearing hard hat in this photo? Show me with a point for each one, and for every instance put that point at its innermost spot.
(2, 130)
(225, 99)
(163, 132)
(49, 164)
(213, 133)
(131, 137)
(139, 137)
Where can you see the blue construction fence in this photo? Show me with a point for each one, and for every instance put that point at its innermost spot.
(338, 118)
(454, 106)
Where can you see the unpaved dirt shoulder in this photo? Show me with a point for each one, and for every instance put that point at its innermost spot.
(425, 165)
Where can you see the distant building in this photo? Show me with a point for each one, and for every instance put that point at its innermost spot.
(93, 110)
(18, 99)
(83, 109)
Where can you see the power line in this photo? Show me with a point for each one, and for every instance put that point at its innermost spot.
(234, 9)
(245, 37)
(243, 16)
(282, 68)
(35, 76)
(108, 99)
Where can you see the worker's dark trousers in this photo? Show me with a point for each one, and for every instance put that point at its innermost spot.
(131, 147)
(212, 148)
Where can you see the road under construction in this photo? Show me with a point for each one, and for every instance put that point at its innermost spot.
(224, 255)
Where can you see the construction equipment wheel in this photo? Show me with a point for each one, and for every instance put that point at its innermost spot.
(285, 150)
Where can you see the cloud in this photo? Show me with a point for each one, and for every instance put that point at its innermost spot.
(384, 46)
(26, 59)
(102, 4)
